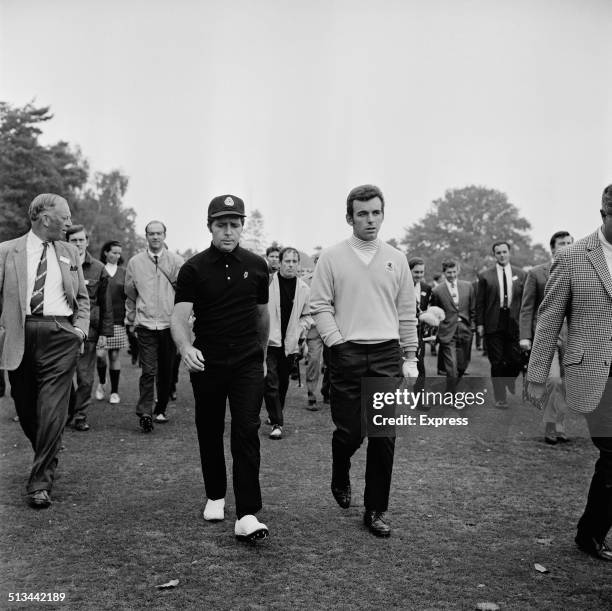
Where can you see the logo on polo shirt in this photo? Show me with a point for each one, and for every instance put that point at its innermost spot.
(228, 201)
(246, 274)
(389, 266)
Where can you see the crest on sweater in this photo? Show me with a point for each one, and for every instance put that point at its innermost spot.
(389, 266)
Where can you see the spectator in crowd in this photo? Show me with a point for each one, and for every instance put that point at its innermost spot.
(533, 293)
(579, 290)
(110, 256)
(226, 288)
(422, 291)
(315, 353)
(437, 278)
(289, 310)
(498, 304)
(456, 297)
(44, 321)
(364, 306)
(149, 288)
(273, 259)
(100, 327)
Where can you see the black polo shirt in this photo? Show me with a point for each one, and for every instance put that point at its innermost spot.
(225, 289)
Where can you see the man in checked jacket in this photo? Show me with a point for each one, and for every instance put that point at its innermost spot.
(580, 287)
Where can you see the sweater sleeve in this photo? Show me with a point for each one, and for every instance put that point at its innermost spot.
(322, 302)
(406, 309)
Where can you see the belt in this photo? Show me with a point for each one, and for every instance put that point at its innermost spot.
(48, 318)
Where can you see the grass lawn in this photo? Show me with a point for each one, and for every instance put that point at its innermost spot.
(471, 513)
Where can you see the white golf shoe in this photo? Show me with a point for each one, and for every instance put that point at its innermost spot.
(214, 510)
(249, 528)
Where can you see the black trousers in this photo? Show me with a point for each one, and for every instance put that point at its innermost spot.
(596, 520)
(504, 355)
(40, 387)
(236, 373)
(348, 363)
(279, 367)
(157, 353)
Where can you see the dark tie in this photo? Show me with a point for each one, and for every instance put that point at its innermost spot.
(505, 289)
(38, 293)
(156, 259)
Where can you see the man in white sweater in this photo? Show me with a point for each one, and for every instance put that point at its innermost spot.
(363, 303)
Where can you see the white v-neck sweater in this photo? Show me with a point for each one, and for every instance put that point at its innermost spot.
(352, 301)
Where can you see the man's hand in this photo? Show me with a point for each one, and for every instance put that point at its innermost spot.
(193, 359)
(102, 342)
(410, 369)
(480, 330)
(525, 345)
(536, 394)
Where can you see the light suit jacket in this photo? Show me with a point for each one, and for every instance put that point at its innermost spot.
(13, 290)
(579, 287)
(299, 320)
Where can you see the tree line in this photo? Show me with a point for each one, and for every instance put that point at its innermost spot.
(461, 225)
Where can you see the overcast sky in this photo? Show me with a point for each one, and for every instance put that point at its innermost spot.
(290, 104)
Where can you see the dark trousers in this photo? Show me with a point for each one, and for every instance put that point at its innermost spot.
(456, 355)
(175, 372)
(348, 363)
(234, 373)
(325, 383)
(420, 381)
(279, 367)
(505, 357)
(157, 351)
(40, 387)
(80, 399)
(596, 520)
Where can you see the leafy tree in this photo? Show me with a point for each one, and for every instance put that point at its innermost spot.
(464, 224)
(253, 235)
(100, 209)
(393, 242)
(28, 168)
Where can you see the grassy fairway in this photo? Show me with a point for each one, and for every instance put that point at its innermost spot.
(471, 514)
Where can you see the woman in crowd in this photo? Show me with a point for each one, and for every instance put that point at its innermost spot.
(111, 257)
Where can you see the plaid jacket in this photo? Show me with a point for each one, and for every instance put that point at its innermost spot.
(579, 287)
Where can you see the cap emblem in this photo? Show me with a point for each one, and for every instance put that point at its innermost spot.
(228, 201)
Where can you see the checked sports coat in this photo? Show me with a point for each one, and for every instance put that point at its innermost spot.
(579, 287)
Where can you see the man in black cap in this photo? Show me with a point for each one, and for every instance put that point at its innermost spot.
(226, 288)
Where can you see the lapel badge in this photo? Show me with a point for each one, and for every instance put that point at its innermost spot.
(246, 274)
(389, 266)
(228, 201)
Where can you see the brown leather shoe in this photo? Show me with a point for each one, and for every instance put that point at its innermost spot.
(39, 499)
(592, 547)
(375, 521)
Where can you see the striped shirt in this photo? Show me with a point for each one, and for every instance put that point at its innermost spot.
(365, 249)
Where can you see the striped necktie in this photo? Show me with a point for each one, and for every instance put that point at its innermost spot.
(38, 293)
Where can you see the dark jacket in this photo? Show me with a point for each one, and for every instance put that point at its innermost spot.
(100, 305)
(117, 291)
(487, 300)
